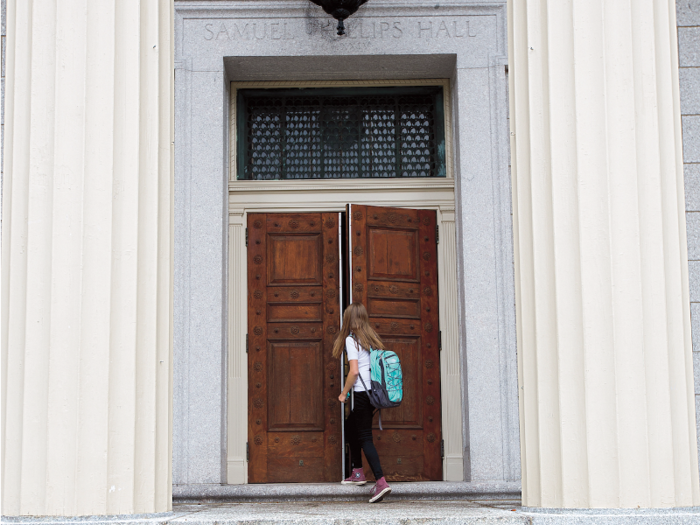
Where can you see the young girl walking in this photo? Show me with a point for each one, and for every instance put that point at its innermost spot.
(357, 337)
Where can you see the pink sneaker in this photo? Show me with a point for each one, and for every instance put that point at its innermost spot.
(356, 478)
(379, 490)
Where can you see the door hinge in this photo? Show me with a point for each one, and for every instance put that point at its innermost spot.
(439, 340)
(442, 449)
(437, 234)
(246, 343)
(247, 452)
(246, 237)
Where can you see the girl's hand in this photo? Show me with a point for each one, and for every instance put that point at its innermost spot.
(342, 397)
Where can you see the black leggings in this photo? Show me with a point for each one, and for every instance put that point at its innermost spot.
(358, 432)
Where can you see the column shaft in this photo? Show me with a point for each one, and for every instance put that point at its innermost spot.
(606, 389)
(86, 274)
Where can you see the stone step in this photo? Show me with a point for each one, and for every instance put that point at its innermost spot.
(389, 512)
(283, 492)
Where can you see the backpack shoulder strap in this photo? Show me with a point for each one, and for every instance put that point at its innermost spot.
(363, 383)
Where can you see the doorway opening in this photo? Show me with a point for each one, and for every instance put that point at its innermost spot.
(298, 269)
(249, 196)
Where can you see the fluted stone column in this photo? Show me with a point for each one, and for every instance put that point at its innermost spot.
(606, 386)
(86, 268)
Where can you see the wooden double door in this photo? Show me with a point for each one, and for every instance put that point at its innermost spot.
(302, 270)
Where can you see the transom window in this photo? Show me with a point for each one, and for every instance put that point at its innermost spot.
(340, 133)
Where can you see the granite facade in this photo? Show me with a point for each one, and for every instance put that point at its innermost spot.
(293, 40)
(688, 20)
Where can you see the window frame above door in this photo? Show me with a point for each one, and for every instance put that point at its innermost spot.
(234, 153)
(324, 96)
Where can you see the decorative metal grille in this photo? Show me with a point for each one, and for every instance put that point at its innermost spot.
(333, 133)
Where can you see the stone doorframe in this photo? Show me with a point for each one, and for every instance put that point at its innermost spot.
(332, 196)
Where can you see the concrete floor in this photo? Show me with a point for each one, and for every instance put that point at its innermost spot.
(392, 511)
(421, 512)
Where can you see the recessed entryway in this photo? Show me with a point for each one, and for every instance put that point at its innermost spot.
(436, 443)
(472, 203)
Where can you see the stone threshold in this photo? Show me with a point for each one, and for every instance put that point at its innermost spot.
(287, 492)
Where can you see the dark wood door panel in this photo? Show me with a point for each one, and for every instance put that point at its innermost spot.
(294, 222)
(257, 349)
(297, 469)
(393, 254)
(297, 294)
(293, 316)
(395, 218)
(295, 386)
(394, 273)
(394, 290)
(392, 327)
(430, 336)
(288, 444)
(392, 307)
(399, 467)
(298, 331)
(295, 259)
(291, 312)
(397, 442)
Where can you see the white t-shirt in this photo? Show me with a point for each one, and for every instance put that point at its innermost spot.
(355, 351)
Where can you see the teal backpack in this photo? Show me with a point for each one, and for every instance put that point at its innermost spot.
(386, 379)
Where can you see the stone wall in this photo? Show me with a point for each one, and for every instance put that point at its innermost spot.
(688, 19)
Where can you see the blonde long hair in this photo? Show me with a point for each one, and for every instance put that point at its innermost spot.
(356, 320)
